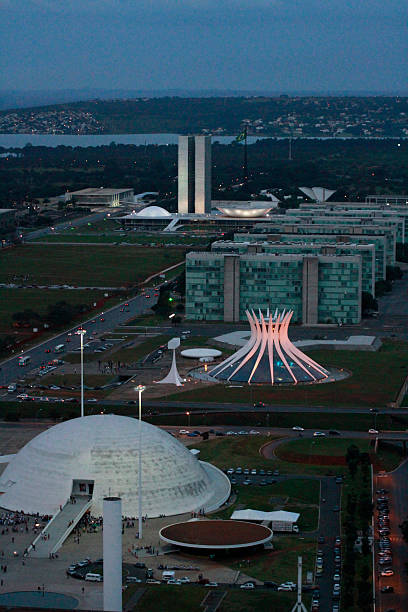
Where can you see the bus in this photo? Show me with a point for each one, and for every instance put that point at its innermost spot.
(23, 361)
(59, 348)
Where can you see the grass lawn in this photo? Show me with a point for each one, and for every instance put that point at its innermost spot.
(16, 300)
(293, 495)
(187, 598)
(104, 232)
(279, 564)
(354, 487)
(125, 355)
(234, 451)
(71, 380)
(257, 601)
(243, 451)
(166, 598)
(106, 266)
(360, 389)
(389, 456)
(336, 447)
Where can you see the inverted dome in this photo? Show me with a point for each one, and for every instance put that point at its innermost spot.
(244, 209)
(153, 211)
(103, 450)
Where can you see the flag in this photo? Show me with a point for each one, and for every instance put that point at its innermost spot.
(241, 136)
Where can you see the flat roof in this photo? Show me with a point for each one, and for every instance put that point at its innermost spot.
(216, 534)
(94, 191)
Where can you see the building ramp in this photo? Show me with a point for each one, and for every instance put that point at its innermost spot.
(55, 533)
(171, 227)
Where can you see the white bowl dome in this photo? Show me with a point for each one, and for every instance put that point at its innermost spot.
(103, 450)
(153, 211)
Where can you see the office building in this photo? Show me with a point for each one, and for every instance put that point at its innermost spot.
(379, 243)
(387, 199)
(319, 289)
(365, 251)
(329, 228)
(102, 196)
(194, 175)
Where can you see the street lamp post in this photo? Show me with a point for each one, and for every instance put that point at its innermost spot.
(188, 414)
(81, 332)
(140, 389)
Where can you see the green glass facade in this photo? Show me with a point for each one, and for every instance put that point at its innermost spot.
(320, 289)
(366, 252)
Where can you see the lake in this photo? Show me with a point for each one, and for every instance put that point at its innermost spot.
(97, 140)
(93, 140)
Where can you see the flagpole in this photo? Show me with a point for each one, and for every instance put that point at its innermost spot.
(246, 155)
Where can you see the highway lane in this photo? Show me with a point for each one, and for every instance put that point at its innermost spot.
(100, 323)
(65, 225)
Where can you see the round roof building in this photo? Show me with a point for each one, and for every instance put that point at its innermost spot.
(251, 210)
(98, 456)
(153, 211)
(216, 535)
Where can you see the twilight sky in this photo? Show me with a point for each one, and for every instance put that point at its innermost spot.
(279, 45)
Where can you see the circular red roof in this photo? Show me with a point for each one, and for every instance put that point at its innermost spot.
(217, 533)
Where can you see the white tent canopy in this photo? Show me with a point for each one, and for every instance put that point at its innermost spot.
(258, 515)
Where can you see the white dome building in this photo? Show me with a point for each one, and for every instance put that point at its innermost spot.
(153, 211)
(98, 456)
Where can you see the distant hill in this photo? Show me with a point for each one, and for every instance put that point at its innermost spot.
(279, 116)
(11, 99)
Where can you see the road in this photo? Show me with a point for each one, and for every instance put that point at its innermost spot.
(329, 528)
(11, 371)
(396, 485)
(64, 225)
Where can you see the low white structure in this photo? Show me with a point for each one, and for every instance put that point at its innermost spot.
(200, 353)
(98, 456)
(112, 554)
(259, 515)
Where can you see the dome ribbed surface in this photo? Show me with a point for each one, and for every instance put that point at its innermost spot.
(104, 449)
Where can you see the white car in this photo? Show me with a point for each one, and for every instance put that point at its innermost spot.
(184, 579)
(298, 428)
(230, 471)
(253, 432)
(285, 587)
(184, 431)
(211, 584)
(318, 434)
(373, 431)
(247, 585)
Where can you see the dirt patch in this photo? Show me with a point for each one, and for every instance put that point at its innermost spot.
(292, 457)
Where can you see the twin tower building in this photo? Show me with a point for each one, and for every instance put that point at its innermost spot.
(194, 175)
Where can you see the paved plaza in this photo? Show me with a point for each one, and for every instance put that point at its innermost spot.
(28, 574)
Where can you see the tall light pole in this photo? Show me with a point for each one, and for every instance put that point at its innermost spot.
(140, 389)
(81, 332)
